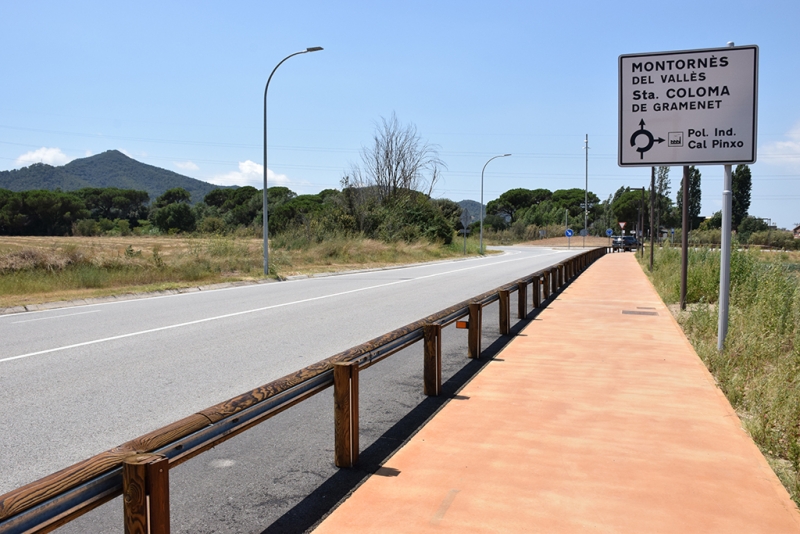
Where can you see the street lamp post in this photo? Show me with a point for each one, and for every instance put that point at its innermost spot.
(586, 193)
(480, 245)
(264, 197)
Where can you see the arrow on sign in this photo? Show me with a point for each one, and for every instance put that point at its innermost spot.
(650, 140)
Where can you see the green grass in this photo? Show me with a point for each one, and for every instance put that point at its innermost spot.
(759, 369)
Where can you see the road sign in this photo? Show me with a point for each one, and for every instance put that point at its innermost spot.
(609, 232)
(688, 107)
(569, 232)
(622, 225)
(584, 232)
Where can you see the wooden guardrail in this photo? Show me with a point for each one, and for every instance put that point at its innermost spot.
(139, 469)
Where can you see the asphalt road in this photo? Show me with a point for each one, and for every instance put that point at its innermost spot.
(77, 381)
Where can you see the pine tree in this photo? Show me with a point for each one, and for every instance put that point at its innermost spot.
(662, 193)
(741, 185)
(694, 195)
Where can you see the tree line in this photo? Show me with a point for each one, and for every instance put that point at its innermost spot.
(386, 196)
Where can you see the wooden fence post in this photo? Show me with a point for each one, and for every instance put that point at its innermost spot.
(546, 285)
(505, 312)
(537, 291)
(145, 494)
(432, 361)
(522, 300)
(474, 335)
(345, 413)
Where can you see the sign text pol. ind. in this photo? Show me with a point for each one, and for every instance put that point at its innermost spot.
(690, 107)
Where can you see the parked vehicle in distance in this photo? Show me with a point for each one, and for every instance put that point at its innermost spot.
(624, 243)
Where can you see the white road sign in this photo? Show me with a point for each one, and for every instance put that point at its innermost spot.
(688, 107)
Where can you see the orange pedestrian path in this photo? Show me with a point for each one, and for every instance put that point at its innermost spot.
(591, 419)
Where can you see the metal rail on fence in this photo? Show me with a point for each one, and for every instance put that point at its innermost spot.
(139, 469)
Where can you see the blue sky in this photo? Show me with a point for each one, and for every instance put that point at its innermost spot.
(180, 85)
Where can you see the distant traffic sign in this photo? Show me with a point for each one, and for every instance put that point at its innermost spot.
(569, 232)
(609, 232)
(688, 107)
(584, 233)
(622, 225)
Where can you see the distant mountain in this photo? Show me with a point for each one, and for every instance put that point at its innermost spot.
(109, 169)
(473, 208)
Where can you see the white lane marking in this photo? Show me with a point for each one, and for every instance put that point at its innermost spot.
(252, 286)
(245, 312)
(55, 317)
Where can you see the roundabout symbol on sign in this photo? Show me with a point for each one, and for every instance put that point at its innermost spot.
(650, 140)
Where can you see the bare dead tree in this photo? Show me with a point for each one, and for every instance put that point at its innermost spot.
(397, 161)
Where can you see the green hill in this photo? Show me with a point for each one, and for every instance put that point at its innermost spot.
(109, 169)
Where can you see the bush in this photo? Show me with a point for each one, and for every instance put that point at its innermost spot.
(774, 239)
(212, 225)
(85, 227)
(176, 217)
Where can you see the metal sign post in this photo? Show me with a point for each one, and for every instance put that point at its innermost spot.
(652, 221)
(691, 107)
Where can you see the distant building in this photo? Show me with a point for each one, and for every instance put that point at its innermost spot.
(797, 233)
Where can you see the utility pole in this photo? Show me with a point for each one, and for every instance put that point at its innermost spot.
(685, 236)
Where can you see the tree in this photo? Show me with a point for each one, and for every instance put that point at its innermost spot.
(663, 190)
(177, 216)
(450, 211)
(507, 204)
(398, 161)
(40, 212)
(173, 212)
(694, 196)
(571, 199)
(741, 185)
(113, 203)
(749, 225)
(173, 196)
(627, 205)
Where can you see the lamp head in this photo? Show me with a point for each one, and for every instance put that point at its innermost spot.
(314, 49)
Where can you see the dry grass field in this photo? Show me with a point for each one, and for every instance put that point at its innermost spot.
(34, 270)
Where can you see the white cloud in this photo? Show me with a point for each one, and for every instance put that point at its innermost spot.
(250, 173)
(784, 153)
(88, 153)
(51, 156)
(187, 165)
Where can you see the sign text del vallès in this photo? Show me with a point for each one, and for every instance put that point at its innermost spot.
(688, 107)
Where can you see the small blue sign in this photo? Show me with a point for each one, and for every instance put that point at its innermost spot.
(609, 232)
(673, 231)
(569, 232)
